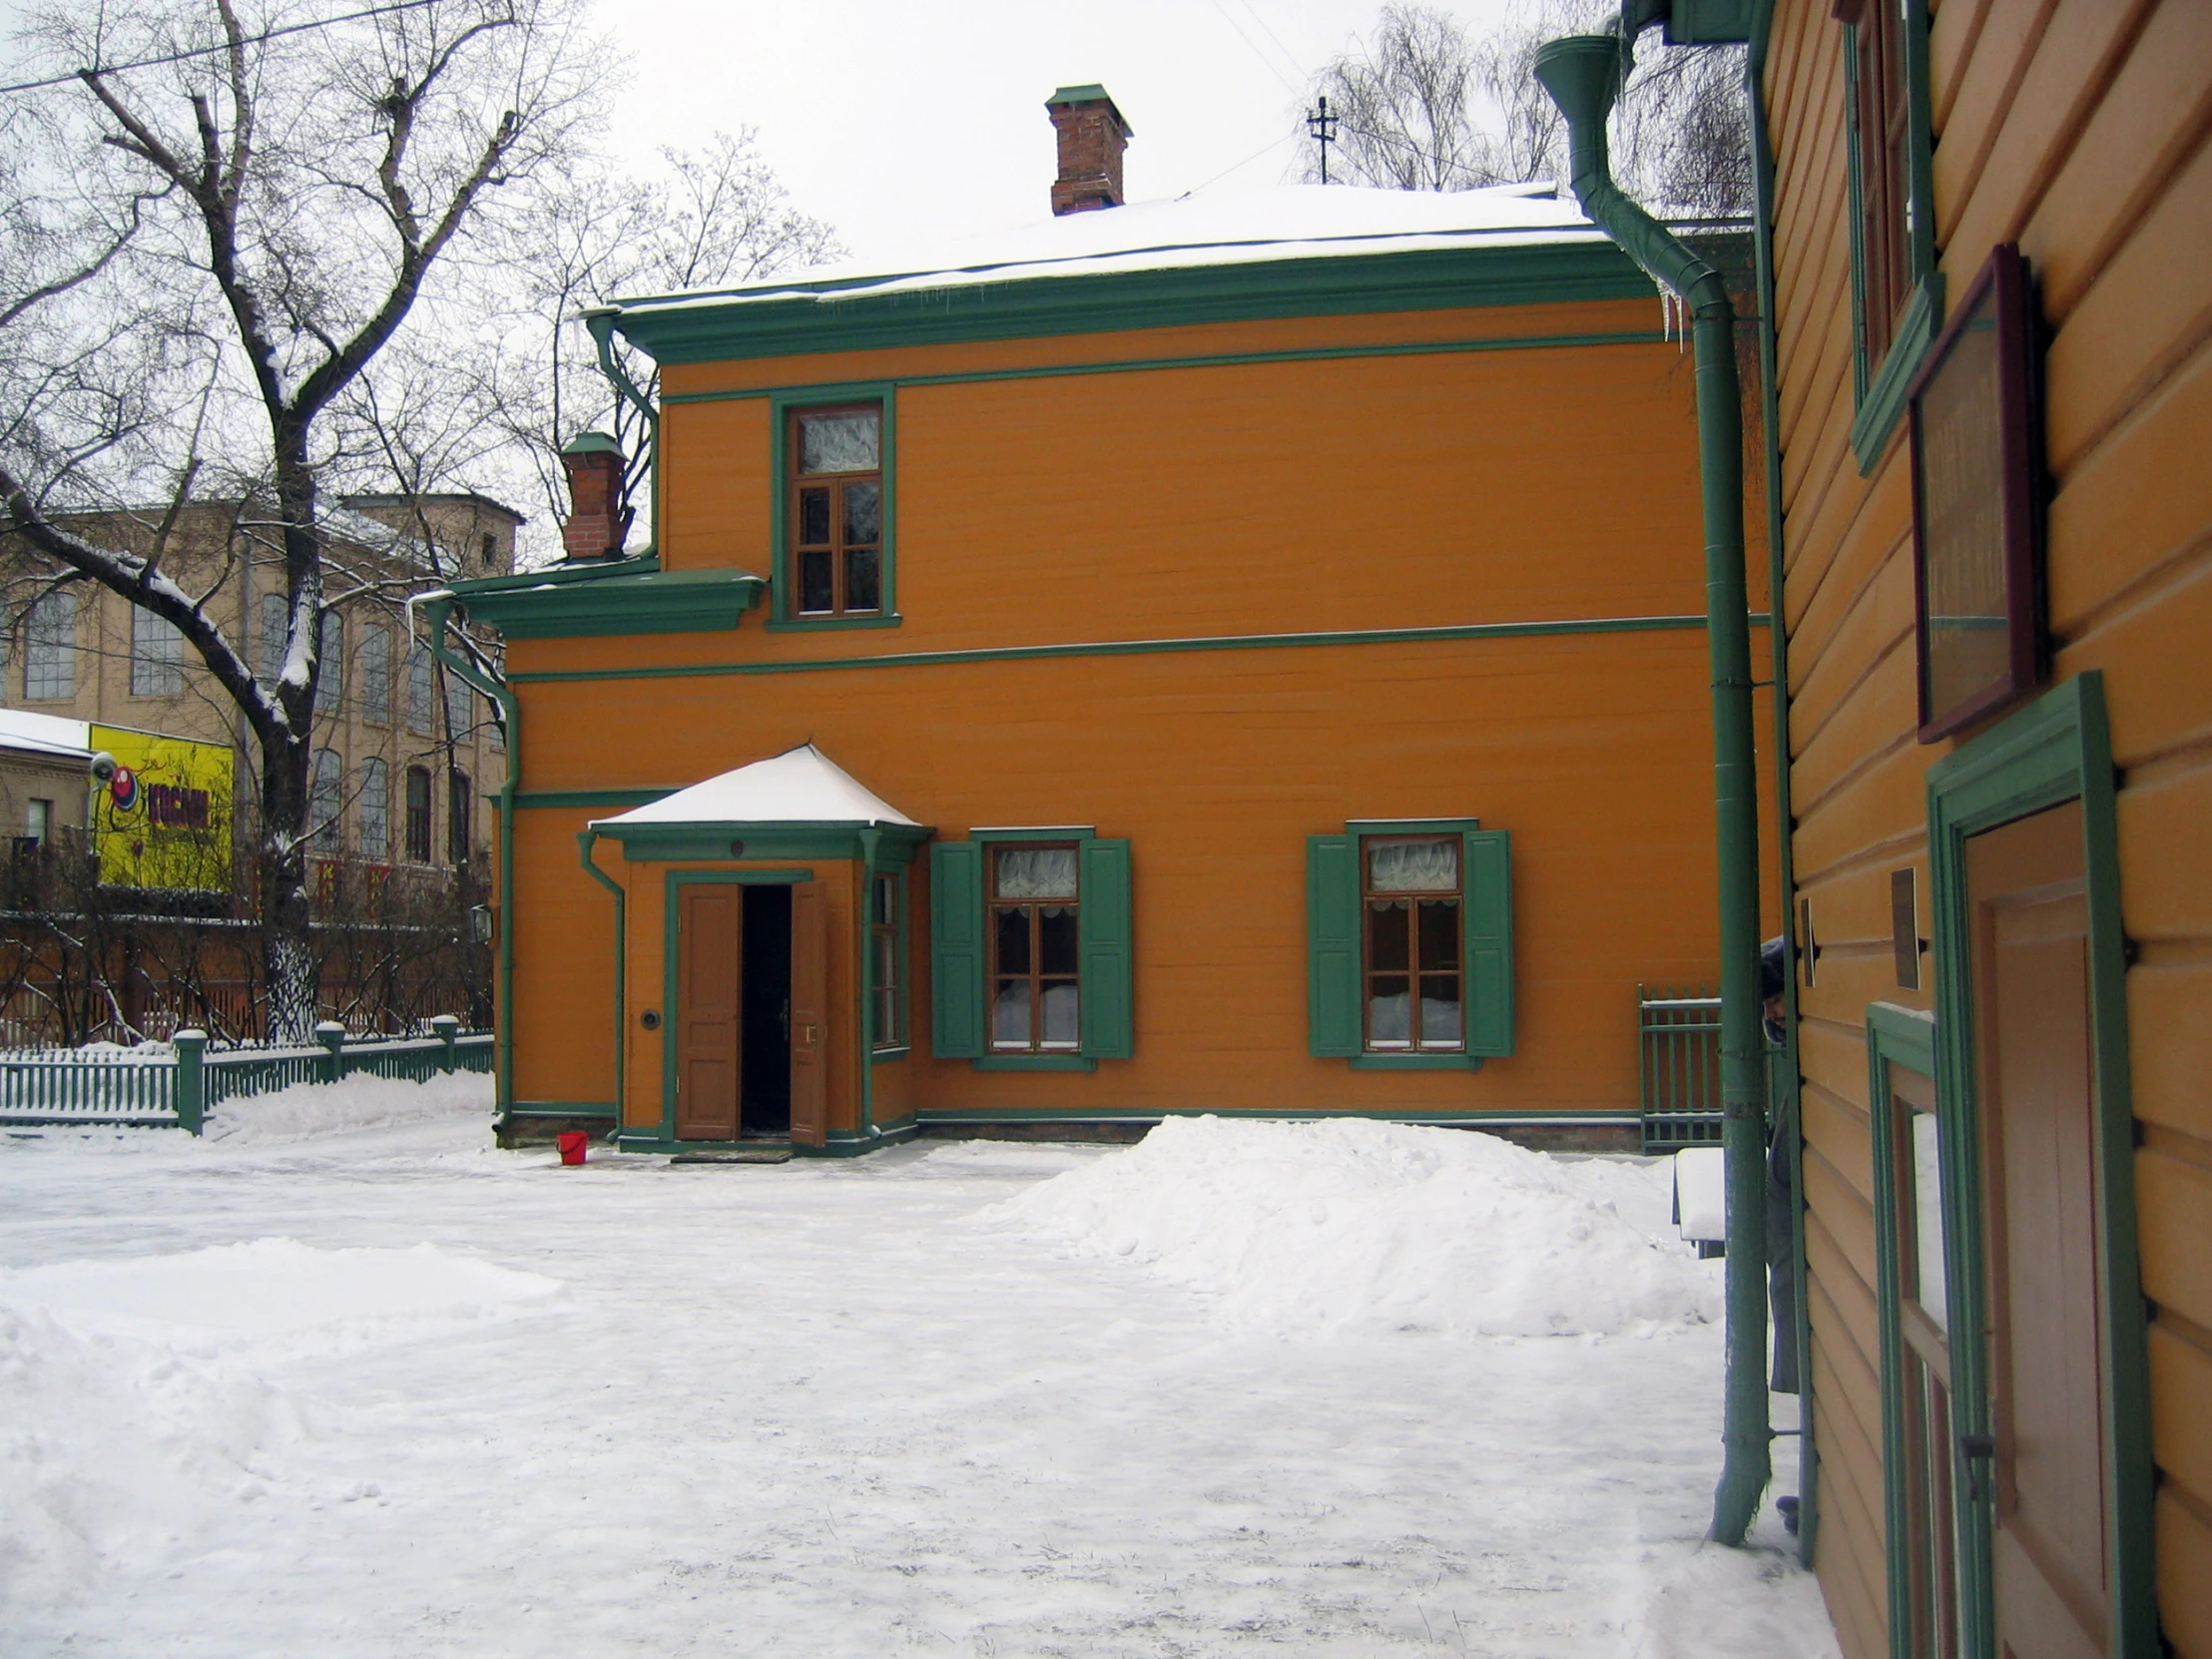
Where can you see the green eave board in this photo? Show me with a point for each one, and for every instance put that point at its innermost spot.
(864, 316)
(701, 843)
(574, 603)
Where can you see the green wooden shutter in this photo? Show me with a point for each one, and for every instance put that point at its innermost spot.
(1489, 899)
(1102, 925)
(956, 949)
(1332, 944)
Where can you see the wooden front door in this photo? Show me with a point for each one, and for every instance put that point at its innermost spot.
(810, 1014)
(709, 943)
(2041, 1240)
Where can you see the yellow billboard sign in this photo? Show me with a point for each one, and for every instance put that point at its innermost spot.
(164, 819)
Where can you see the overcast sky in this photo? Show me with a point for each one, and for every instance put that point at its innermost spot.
(906, 121)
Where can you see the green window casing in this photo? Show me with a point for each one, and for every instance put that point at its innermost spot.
(958, 1006)
(1332, 943)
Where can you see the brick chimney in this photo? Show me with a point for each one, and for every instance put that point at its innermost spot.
(594, 530)
(1092, 137)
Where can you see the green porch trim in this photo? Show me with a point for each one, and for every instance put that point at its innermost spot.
(2056, 749)
(604, 605)
(526, 798)
(848, 317)
(1895, 1037)
(1215, 360)
(672, 886)
(1034, 1062)
(563, 1109)
(1445, 634)
(687, 843)
(781, 401)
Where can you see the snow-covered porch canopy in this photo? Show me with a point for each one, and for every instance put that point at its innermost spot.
(798, 805)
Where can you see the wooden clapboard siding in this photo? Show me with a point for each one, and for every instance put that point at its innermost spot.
(2080, 131)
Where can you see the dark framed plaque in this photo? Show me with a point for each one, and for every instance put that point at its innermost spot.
(1977, 563)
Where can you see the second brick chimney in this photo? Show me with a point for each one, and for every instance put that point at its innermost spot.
(1092, 137)
(594, 530)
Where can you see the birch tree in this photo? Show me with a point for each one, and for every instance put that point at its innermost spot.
(279, 199)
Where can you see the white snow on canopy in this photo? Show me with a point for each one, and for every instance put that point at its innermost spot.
(800, 786)
(49, 733)
(1289, 222)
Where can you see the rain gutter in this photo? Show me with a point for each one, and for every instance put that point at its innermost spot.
(1583, 74)
(600, 323)
(586, 842)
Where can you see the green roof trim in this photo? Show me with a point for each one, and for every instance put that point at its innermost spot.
(609, 599)
(870, 314)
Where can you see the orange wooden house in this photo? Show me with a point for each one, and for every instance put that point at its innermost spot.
(1183, 656)
(1985, 258)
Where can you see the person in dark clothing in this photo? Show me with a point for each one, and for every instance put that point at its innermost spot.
(1780, 1192)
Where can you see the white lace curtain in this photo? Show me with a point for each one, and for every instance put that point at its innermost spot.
(1036, 872)
(1414, 866)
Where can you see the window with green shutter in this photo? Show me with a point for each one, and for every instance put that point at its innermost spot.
(1409, 943)
(1031, 950)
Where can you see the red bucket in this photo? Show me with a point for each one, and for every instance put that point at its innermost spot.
(572, 1143)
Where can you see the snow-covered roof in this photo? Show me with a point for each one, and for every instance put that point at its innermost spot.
(800, 786)
(22, 729)
(1289, 222)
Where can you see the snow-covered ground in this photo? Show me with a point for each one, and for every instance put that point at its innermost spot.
(343, 1379)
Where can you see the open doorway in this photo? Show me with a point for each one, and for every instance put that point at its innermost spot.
(764, 1090)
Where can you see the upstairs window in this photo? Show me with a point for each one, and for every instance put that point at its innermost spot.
(418, 815)
(834, 514)
(1882, 130)
(156, 655)
(50, 648)
(457, 818)
(375, 665)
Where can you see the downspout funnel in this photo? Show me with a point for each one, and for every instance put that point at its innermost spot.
(1582, 72)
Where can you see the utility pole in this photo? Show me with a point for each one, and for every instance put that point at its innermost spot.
(1323, 126)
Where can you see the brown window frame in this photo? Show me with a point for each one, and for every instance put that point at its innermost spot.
(886, 965)
(1882, 127)
(836, 548)
(460, 817)
(1414, 974)
(1037, 979)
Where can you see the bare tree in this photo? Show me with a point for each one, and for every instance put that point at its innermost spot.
(292, 198)
(710, 217)
(1426, 106)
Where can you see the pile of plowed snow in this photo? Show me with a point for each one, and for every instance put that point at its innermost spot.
(1313, 1227)
(309, 1109)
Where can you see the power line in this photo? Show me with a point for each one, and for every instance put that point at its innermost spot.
(1230, 18)
(1289, 56)
(1247, 162)
(210, 51)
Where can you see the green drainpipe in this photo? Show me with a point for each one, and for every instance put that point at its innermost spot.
(1582, 72)
(600, 323)
(586, 839)
(504, 1055)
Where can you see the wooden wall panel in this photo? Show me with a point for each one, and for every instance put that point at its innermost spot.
(2081, 131)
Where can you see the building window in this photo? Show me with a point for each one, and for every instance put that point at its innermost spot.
(421, 689)
(456, 817)
(373, 811)
(490, 551)
(375, 684)
(459, 718)
(272, 637)
(1035, 965)
(38, 820)
(327, 801)
(418, 815)
(1411, 966)
(156, 655)
(886, 961)
(50, 648)
(836, 509)
(1030, 959)
(329, 685)
(1882, 129)
(1410, 943)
